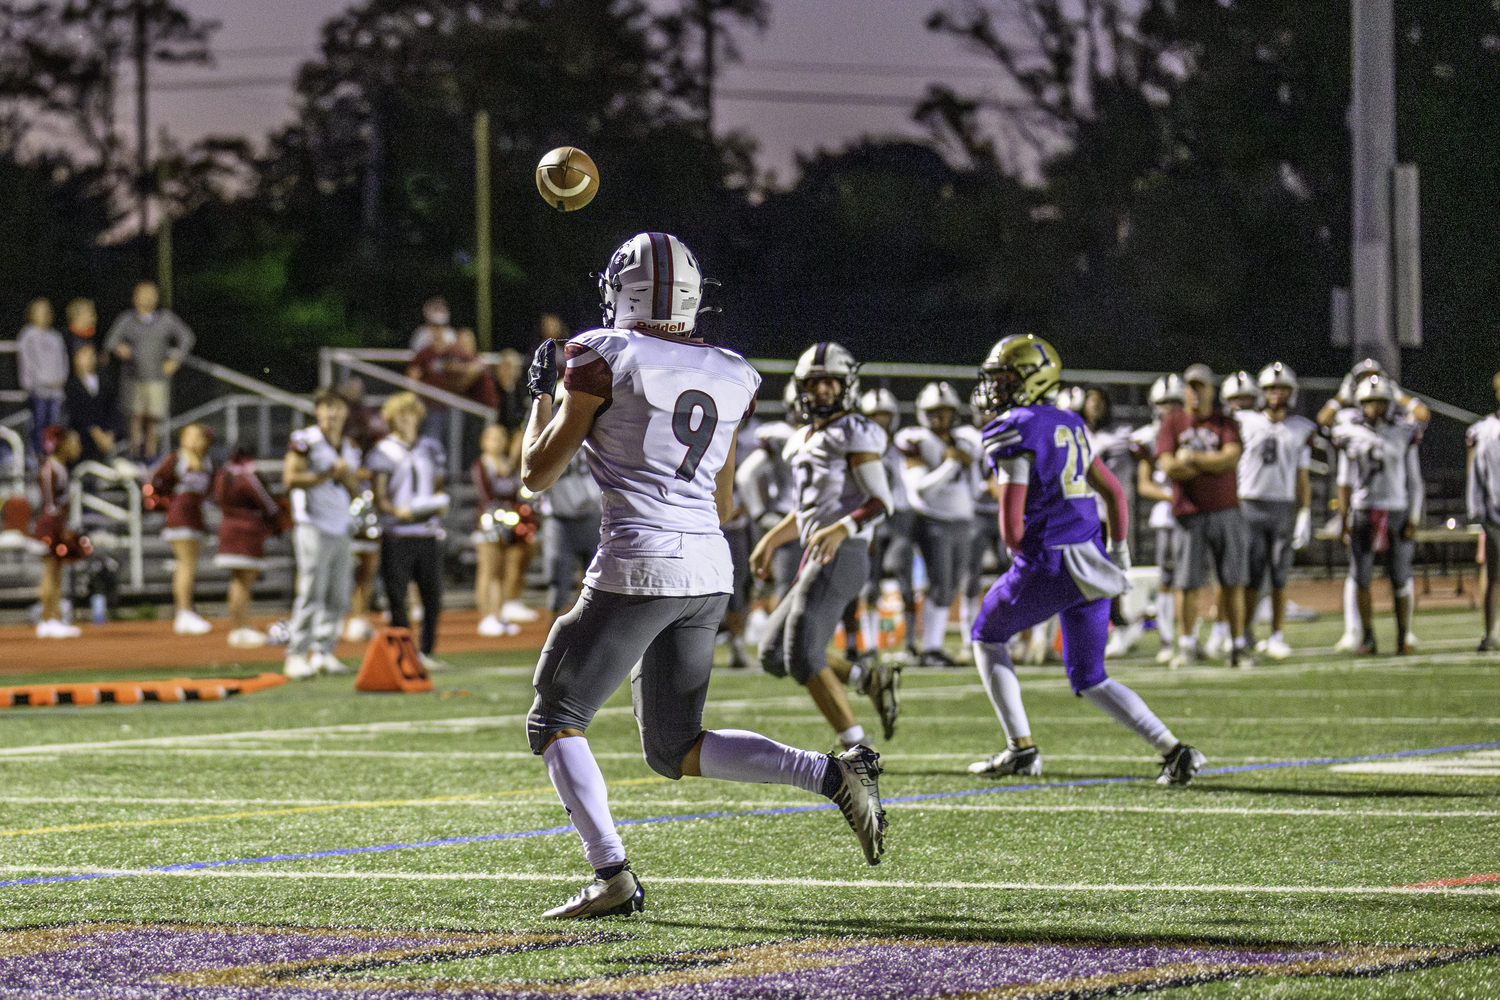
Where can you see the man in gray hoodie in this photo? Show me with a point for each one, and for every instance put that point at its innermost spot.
(152, 341)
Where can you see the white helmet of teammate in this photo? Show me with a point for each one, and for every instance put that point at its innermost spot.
(881, 401)
(1167, 389)
(827, 360)
(980, 410)
(1070, 398)
(1239, 386)
(1278, 375)
(653, 282)
(792, 400)
(936, 396)
(1375, 387)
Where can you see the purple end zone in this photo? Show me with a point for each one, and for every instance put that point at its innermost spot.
(167, 962)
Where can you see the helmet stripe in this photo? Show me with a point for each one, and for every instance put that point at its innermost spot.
(661, 273)
(820, 355)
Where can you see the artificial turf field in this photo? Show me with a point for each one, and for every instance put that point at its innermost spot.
(1274, 881)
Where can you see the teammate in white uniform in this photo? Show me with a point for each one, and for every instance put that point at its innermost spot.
(891, 554)
(842, 493)
(1380, 497)
(984, 536)
(941, 493)
(1151, 483)
(1483, 496)
(656, 412)
(764, 483)
(1275, 493)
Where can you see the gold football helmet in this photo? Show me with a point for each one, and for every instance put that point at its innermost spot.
(1019, 371)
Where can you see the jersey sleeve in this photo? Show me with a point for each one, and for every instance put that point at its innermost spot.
(1003, 440)
(1166, 435)
(378, 461)
(587, 370)
(865, 435)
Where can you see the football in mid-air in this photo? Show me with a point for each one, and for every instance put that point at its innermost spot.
(567, 179)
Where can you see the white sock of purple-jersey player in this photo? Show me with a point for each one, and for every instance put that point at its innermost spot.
(1127, 708)
(998, 675)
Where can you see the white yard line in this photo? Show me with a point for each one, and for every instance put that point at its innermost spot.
(1168, 887)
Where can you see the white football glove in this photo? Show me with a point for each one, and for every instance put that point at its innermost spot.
(1302, 530)
(1119, 554)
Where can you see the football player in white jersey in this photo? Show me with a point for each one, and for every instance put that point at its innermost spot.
(984, 537)
(1380, 500)
(842, 493)
(1275, 493)
(941, 492)
(655, 411)
(764, 482)
(1151, 483)
(1483, 495)
(892, 551)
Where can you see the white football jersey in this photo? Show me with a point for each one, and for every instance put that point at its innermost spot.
(951, 497)
(895, 469)
(672, 408)
(1142, 442)
(972, 441)
(777, 488)
(1379, 464)
(1483, 439)
(820, 468)
(326, 505)
(1273, 452)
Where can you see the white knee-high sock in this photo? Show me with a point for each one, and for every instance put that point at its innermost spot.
(869, 628)
(1126, 707)
(740, 755)
(1166, 617)
(580, 785)
(934, 626)
(1352, 621)
(999, 679)
(968, 610)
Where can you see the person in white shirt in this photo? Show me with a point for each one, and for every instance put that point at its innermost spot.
(1275, 493)
(406, 476)
(1380, 501)
(891, 553)
(763, 483)
(842, 493)
(941, 492)
(1483, 501)
(321, 472)
(655, 411)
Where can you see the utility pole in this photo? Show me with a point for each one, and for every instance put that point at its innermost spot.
(164, 245)
(142, 153)
(482, 319)
(710, 61)
(1372, 125)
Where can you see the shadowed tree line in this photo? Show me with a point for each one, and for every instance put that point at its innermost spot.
(1146, 184)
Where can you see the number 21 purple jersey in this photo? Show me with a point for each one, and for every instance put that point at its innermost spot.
(1060, 505)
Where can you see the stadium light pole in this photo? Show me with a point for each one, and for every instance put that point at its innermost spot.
(482, 306)
(142, 155)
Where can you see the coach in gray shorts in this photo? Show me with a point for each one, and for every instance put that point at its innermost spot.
(1199, 449)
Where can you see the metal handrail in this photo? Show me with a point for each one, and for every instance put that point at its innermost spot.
(347, 359)
(254, 385)
(17, 459)
(130, 514)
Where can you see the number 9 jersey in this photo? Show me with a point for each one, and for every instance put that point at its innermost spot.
(664, 432)
(1051, 448)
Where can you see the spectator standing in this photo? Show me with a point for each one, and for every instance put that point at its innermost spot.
(406, 472)
(1199, 449)
(321, 472)
(153, 342)
(92, 397)
(504, 537)
(365, 428)
(182, 480)
(1380, 501)
(42, 363)
(250, 515)
(514, 403)
(434, 328)
(570, 530)
(1483, 495)
(452, 366)
(60, 449)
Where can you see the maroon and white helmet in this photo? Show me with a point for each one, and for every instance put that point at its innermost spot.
(881, 401)
(936, 396)
(653, 282)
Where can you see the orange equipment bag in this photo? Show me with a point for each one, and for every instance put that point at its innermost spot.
(392, 664)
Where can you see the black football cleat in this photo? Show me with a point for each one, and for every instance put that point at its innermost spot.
(1180, 765)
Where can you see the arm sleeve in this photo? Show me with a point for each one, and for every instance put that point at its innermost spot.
(921, 479)
(378, 461)
(747, 482)
(871, 479)
(1416, 489)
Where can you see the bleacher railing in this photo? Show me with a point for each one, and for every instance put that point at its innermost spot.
(129, 515)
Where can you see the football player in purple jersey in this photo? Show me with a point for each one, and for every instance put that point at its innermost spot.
(1047, 481)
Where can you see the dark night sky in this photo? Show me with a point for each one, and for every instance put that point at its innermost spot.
(822, 49)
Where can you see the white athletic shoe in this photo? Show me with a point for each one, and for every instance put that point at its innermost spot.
(432, 663)
(1165, 654)
(490, 625)
(515, 611)
(327, 663)
(357, 630)
(1218, 645)
(858, 798)
(1411, 640)
(247, 638)
(56, 629)
(1183, 658)
(1274, 647)
(191, 623)
(298, 667)
(621, 895)
(1348, 642)
(1008, 761)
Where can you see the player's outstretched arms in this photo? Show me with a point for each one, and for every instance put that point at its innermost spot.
(552, 439)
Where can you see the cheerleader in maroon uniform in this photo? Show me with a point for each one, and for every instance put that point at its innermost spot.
(250, 517)
(504, 539)
(180, 482)
(61, 448)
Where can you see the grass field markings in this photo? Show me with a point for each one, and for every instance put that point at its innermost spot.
(325, 807)
(719, 814)
(1453, 882)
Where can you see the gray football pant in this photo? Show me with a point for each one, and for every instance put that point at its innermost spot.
(664, 645)
(944, 547)
(325, 579)
(570, 543)
(799, 630)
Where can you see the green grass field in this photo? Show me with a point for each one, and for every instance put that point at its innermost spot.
(1304, 857)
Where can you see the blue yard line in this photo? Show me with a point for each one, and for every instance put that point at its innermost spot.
(787, 810)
